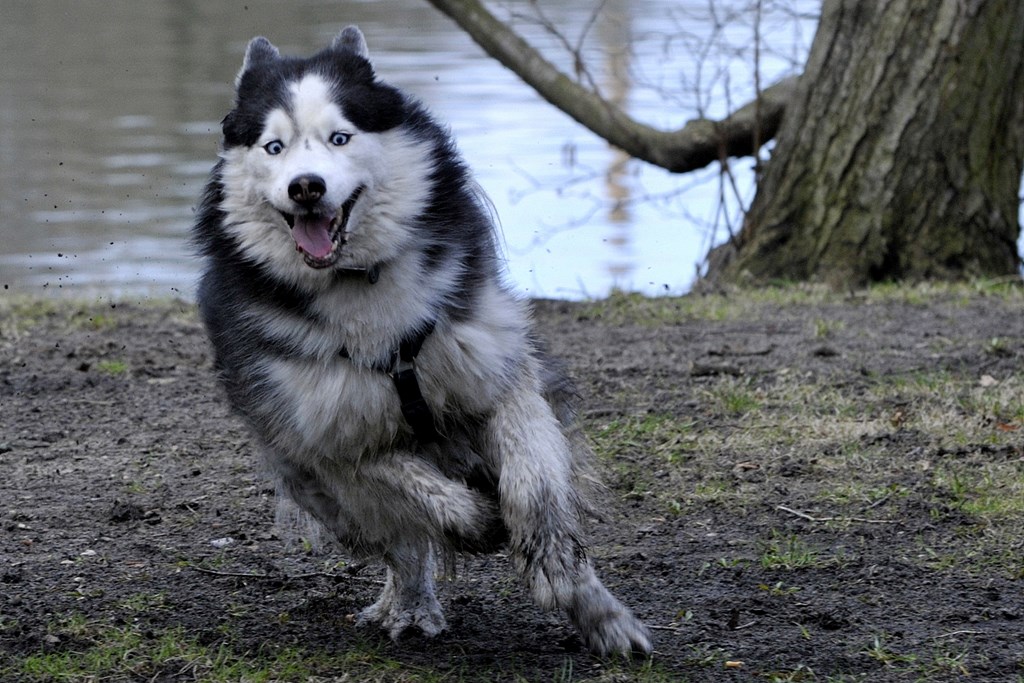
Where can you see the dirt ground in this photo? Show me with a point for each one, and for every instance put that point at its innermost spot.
(804, 489)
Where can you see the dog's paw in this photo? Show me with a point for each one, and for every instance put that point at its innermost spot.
(427, 618)
(424, 614)
(616, 634)
(429, 621)
(605, 624)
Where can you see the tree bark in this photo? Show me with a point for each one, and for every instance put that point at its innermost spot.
(697, 144)
(901, 153)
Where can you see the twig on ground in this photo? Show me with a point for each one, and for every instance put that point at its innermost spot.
(284, 577)
(811, 518)
(957, 633)
(878, 502)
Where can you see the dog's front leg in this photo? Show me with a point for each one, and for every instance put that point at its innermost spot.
(540, 508)
(408, 599)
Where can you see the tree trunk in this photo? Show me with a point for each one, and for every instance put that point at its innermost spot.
(901, 153)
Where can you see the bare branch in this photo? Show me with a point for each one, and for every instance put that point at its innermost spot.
(697, 144)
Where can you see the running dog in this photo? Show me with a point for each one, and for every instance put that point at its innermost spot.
(353, 295)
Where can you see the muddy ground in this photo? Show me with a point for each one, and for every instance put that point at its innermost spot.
(132, 499)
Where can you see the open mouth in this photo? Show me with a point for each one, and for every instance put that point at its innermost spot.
(320, 236)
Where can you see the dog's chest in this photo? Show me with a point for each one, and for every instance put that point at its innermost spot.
(335, 394)
(335, 407)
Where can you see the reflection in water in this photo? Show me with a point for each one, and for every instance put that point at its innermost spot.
(615, 34)
(109, 120)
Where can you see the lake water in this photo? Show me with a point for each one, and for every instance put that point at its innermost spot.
(110, 110)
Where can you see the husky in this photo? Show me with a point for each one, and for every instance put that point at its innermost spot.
(354, 298)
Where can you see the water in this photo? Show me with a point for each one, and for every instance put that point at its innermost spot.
(109, 121)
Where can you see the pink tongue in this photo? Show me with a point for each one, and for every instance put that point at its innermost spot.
(312, 235)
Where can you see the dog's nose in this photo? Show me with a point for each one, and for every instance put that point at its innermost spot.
(307, 189)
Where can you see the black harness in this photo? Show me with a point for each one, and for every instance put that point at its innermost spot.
(400, 366)
(403, 374)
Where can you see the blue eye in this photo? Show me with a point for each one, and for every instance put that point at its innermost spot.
(274, 147)
(338, 138)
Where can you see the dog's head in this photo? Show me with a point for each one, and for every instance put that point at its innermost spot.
(307, 149)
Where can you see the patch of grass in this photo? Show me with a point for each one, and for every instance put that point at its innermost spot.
(104, 652)
(791, 553)
(985, 497)
(19, 314)
(652, 433)
(637, 449)
(709, 490)
(623, 441)
(647, 671)
(705, 655)
(91, 651)
(779, 589)
(998, 406)
(1004, 289)
(990, 490)
(946, 663)
(7, 624)
(625, 308)
(96, 320)
(864, 495)
(112, 367)
(736, 396)
(999, 346)
(822, 328)
(864, 450)
(798, 674)
(143, 603)
(938, 663)
(882, 652)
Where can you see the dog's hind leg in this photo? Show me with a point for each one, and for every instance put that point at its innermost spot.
(408, 599)
(540, 507)
(392, 508)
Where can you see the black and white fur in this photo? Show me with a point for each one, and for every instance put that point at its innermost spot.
(339, 222)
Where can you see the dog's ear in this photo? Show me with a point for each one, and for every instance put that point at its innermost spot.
(260, 50)
(351, 40)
